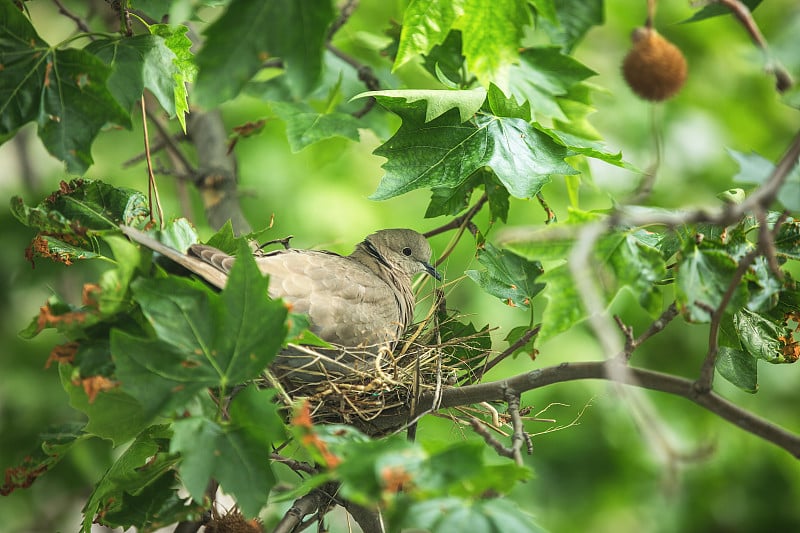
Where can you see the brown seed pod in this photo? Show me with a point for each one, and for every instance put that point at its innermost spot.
(655, 69)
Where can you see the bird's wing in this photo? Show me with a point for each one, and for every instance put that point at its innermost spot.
(345, 301)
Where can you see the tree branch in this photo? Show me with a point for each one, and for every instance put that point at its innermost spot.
(783, 80)
(647, 379)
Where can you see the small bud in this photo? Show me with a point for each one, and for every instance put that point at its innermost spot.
(655, 69)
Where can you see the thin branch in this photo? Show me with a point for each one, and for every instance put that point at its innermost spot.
(637, 377)
(297, 466)
(152, 188)
(460, 221)
(631, 343)
(783, 80)
(301, 508)
(518, 437)
(365, 75)
(522, 341)
(171, 143)
(344, 14)
(79, 22)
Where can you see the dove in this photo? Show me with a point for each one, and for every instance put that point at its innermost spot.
(361, 302)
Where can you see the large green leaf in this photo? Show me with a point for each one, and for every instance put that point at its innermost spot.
(292, 31)
(83, 205)
(138, 62)
(444, 152)
(715, 10)
(63, 91)
(544, 73)
(203, 338)
(491, 31)
(105, 411)
(575, 18)
(738, 367)
(426, 23)
(234, 453)
(143, 463)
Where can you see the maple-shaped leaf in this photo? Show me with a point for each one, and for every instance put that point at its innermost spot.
(508, 276)
(491, 33)
(426, 23)
(63, 91)
(292, 31)
(445, 152)
(542, 75)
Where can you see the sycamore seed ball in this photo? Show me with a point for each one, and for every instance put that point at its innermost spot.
(655, 69)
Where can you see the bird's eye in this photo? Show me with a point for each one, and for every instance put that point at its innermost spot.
(406, 251)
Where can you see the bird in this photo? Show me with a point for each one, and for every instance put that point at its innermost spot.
(360, 303)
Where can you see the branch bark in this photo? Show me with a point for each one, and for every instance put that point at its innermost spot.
(647, 379)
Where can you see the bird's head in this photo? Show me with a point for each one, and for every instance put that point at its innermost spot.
(401, 249)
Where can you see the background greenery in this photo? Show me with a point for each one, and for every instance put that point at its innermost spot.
(598, 475)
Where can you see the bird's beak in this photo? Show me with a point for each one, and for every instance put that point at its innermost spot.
(429, 268)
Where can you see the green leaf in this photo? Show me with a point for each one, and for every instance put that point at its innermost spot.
(203, 338)
(185, 69)
(472, 348)
(106, 411)
(426, 23)
(139, 62)
(144, 462)
(498, 197)
(575, 19)
(438, 102)
(157, 374)
(738, 367)
(82, 205)
(544, 73)
(451, 201)
(254, 326)
(446, 62)
(444, 152)
(759, 336)
(564, 305)
(155, 506)
(440, 515)
(702, 278)
(509, 277)
(63, 91)
(51, 447)
(305, 127)
(293, 31)
(787, 241)
(491, 32)
(235, 454)
(638, 267)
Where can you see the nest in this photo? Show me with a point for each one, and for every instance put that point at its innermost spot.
(374, 390)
